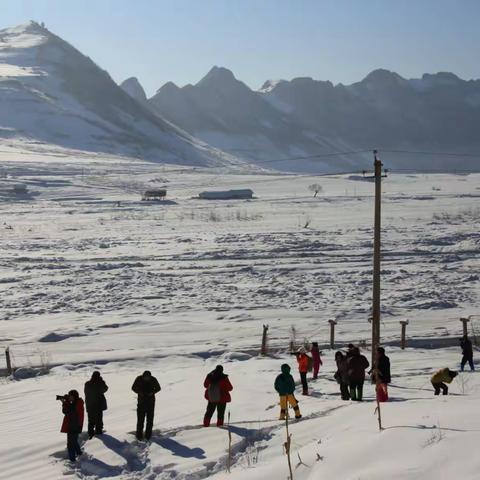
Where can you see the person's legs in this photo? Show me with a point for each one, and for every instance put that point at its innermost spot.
(209, 413)
(150, 413)
(344, 391)
(353, 390)
(141, 412)
(221, 413)
(360, 391)
(444, 388)
(382, 392)
(91, 423)
(303, 377)
(294, 403)
(463, 362)
(436, 387)
(470, 362)
(316, 368)
(99, 422)
(76, 445)
(71, 446)
(283, 406)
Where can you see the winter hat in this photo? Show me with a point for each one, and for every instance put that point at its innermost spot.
(219, 369)
(96, 375)
(74, 394)
(285, 368)
(301, 350)
(147, 373)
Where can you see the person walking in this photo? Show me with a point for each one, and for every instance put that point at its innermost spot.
(146, 386)
(217, 393)
(96, 403)
(467, 353)
(285, 386)
(72, 425)
(440, 378)
(303, 362)
(381, 376)
(356, 366)
(317, 359)
(341, 375)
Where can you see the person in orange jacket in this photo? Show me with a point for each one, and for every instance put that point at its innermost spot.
(73, 411)
(303, 360)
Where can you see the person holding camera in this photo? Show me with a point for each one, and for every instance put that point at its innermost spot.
(145, 386)
(72, 425)
(96, 403)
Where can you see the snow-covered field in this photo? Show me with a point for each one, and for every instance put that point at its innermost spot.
(92, 277)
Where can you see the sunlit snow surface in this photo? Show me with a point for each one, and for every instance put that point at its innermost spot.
(181, 285)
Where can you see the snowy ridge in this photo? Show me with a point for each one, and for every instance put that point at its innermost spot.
(53, 94)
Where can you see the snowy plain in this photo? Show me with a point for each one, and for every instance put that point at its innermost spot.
(94, 278)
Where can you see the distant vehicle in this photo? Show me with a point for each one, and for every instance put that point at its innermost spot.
(157, 194)
(227, 194)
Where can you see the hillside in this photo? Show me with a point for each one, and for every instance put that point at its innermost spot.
(52, 94)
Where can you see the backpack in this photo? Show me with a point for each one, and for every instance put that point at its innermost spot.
(214, 392)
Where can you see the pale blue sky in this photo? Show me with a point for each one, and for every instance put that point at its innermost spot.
(338, 40)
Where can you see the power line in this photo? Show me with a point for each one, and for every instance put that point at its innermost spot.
(444, 154)
(310, 157)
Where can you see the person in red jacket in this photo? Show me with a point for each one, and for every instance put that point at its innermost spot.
(317, 359)
(217, 392)
(303, 360)
(72, 425)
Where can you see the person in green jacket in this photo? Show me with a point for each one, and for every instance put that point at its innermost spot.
(440, 377)
(285, 386)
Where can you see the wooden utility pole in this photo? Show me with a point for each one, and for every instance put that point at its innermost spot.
(332, 333)
(376, 259)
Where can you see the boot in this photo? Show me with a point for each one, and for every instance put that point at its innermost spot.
(305, 392)
(219, 422)
(282, 414)
(296, 409)
(206, 422)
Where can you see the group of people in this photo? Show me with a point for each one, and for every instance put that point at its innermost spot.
(350, 375)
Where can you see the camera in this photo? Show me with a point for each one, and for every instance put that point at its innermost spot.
(62, 398)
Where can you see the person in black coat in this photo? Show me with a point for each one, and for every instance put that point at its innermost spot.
(96, 403)
(381, 375)
(467, 353)
(145, 386)
(356, 366)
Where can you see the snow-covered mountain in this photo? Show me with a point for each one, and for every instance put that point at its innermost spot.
(303, 117)
(51, 93)
(134, 89)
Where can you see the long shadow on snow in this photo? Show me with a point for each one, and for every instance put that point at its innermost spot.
(178, 448)
(129, 451)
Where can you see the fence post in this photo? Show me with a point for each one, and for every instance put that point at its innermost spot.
(465, 328)
(332, 333)
(263, 350)
(8, 360)
(404, 324)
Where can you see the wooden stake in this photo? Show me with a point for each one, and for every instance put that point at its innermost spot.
(287, 444)
(465, 327)
(229, 458)
(8, 360)
(404, 324)
(332, 333)
(263, 350)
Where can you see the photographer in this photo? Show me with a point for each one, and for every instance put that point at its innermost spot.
(72, 408)
(96, 403)
(145, 386)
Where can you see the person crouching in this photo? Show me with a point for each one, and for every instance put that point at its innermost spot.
(285, 386)
(440, 378)
(217, 392)
(72, 425)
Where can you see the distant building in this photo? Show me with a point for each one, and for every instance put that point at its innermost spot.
(227, 194)
(20, 189)
(157, 194)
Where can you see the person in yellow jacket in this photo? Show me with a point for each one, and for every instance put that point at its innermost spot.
(440, 377)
